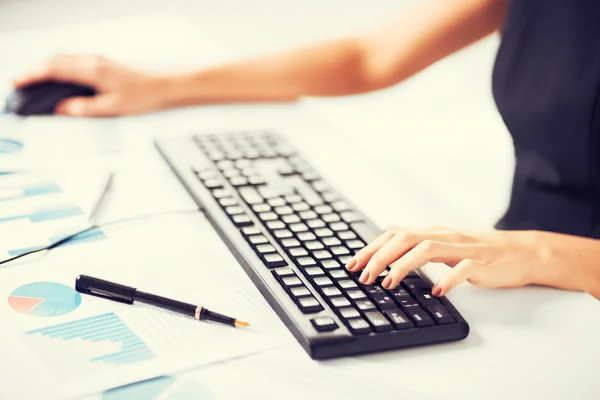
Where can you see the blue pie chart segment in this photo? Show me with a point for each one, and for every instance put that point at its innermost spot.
(44, 299)
(10, 146)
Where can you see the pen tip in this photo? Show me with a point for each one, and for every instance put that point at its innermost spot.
(241, 324)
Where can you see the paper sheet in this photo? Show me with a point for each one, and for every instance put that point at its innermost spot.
(94, 344)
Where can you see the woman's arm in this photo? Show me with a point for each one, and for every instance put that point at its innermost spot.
(423, 35)
(488, 259)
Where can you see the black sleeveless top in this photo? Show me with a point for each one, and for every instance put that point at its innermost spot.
(546, 85)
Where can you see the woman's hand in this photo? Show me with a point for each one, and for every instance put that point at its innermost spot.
(121, 90)
(488, 259)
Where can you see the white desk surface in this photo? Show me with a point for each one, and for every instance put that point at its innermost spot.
(524, 343)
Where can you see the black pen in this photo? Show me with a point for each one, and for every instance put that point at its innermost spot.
(128, 295)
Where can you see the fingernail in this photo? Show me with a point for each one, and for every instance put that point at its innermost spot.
(436, 291)
(387, 282)
(351, 264)
(364, 277)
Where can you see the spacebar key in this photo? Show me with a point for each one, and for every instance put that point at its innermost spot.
(365, 231)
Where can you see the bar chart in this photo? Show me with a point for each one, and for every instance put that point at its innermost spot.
(88, 345)
(36, 212)
(162, 387)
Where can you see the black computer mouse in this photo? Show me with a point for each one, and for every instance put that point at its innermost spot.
(42, 98)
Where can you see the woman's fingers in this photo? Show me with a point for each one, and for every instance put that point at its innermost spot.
(464, 270)
(361, 258)
(425, 252)
(100, 106)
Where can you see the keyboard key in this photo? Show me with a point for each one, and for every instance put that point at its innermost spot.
(309, 305)
(308, 215)
(239, 181)
(316, 223)
(251, 230)
(288, 243)
(340, 206)
(399, 293)
(337, 274)
(314, 245)
(261, 207)
(306, 261)
(419, 316)
(398, 318)
(339, 302)
(228, 201)
(426, 298)
(440, 314)
(291, 219)
(320, 186)
(323, 209)
(350, 217)
(348, 313)
(322, 281)
(221, 193)
(359, 326)
(280, 273)
(416, 284)
(345, 259)
(230, 173)
(331, 291)
(274, 260)
(365, 231)
(213, 184)
(379, 321)
(357, 294)
(323, 232)
(265, 248)
(242, 164)
(272, 225)
(256, 180)
(276, 202)
(373, 289)
(298, 252)
(339, 226)
(384, 301)
(347, 284)
(329, 196)
(365, 305)
(284, 210)
(267, 216)
(290, 282)
(293, 198)
(340, 250)
(301, 207)
(406, 302)
(346, 235)
(298, 227)
(306, 236)
(242, 220)
(299, 291)
(283, 234)
(328, 264)
(324, 324)
(331, 241)
(355, 244)
(330, 218)
(321, 254)
(314, 272)
(257, 239)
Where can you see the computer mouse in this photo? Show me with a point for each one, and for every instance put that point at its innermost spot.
(42, 98)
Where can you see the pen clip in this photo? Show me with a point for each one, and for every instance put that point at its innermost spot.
(104, 289)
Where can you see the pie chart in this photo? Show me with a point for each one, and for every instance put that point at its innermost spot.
(10, 146)
(44, 299)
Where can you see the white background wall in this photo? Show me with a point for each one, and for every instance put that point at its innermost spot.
(440, 127)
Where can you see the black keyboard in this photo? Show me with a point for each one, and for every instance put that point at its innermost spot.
(292, 232)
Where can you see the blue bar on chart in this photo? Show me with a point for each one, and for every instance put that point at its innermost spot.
(32, 190)
(47, 214)
(105, 327)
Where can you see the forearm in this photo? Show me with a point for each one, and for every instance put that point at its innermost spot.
(423, 35)
(570, 262)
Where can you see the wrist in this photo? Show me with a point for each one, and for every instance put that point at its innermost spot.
(175, 90)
